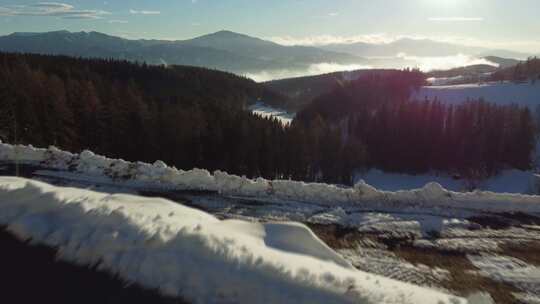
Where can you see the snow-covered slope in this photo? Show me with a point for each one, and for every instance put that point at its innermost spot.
(158, 175)
(500, 93)
(185, 252)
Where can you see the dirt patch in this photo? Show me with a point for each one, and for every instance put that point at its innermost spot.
(464, 280)
(491, 222)
(338, 237)
(528, 252)
(505, 220)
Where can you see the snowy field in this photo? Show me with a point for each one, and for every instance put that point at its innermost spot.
(500, 93)
(269, 112)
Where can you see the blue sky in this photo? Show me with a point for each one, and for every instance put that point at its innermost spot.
(494, 23)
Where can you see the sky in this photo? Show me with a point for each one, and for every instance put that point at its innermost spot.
(504, 24)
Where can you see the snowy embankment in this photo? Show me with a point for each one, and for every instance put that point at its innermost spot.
(185, 252)
(508, 181)
(158, 175)
(499, 93)
(269, 112)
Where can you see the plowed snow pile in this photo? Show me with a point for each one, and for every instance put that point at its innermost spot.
(186, 252)
(90, 166)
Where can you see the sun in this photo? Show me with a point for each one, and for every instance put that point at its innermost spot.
(444, 3)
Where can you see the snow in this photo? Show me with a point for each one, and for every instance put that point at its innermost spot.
(438, 81)
(399, 181)
(185, 252)
(508, 181)
(89, 166)
(499, 93)
(510, 270)
(267, 111)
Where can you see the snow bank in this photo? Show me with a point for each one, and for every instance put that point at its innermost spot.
(399, 181)
(508, 181)
(535, 183)
(363, 195)
(189, 253)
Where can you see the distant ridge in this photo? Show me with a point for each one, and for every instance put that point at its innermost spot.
(224, 50)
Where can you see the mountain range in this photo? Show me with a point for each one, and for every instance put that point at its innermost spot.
(222, 50)
(234, 52)
(418, 47)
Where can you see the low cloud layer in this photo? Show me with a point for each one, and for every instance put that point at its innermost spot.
(314, 69)
(51, 9)
(402, 60)
(455, 19)
(319, 40)
(427, 64)
(531, 46)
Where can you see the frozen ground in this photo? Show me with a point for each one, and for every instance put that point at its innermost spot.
(269, 112)
(429, 236)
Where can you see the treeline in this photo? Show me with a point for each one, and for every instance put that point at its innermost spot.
(193, 117)
(472, 139)
(188, 117)
(528, 70)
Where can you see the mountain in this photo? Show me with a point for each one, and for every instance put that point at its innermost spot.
(417, 47)
(223, 50)
(301, 91)
(263, 50)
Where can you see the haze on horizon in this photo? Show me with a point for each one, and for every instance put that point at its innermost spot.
(488, 23)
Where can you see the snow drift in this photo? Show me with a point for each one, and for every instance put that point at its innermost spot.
(189, 253)
(159, 175)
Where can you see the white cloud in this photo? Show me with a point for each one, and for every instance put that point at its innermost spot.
(330, 39)
(455, 19)
(119, 21)
(143, 12)
(51, 9)
(427, 64)
(314, 69)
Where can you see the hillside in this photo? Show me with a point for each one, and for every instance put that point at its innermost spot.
(403, 132)
(302, 90)
(138, 112)
(505, 93)
(181, 115)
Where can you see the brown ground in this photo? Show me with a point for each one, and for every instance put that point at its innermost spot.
(464, 279)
